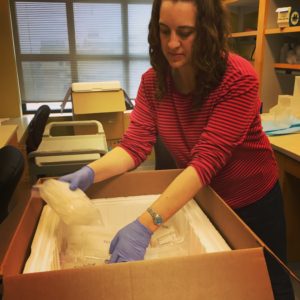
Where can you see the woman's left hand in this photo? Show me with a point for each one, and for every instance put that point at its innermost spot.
(130, 243)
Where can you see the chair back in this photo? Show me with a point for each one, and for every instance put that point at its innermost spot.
(163, 158)
(36, 128)
(12, 166)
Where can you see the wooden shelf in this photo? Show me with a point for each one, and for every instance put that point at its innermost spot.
(239, 2)
(244, 34)
(282, 30)
(229, 1)
(287, 66)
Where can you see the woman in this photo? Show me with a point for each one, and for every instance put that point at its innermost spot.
(203, 102)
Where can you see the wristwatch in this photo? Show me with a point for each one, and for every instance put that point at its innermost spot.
(157, 218)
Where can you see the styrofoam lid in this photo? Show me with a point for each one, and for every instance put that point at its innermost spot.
(96, 86)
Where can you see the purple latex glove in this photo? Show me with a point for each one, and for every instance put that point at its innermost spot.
(83, 178)
(130, 243)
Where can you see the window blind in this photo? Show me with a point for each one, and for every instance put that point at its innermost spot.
(65, 41)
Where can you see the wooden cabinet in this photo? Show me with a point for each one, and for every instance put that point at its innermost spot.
(287, 153)
(257, 37)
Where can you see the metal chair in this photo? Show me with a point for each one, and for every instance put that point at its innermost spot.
(163, 158)
(36, 128)
(59, 155)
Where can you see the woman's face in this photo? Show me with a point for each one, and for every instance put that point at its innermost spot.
(177, 29)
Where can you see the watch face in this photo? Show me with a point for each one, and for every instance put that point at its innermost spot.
(158, 220)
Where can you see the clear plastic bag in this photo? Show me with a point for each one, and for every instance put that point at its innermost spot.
(85, 246)
(73, 207)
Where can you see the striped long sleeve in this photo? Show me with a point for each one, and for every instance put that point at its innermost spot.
(223, 140)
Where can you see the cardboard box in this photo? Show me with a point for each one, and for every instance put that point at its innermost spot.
(113, 124)
(98, 102)
(283, 16)
(237, 274)
(106, 107)
(127, 119)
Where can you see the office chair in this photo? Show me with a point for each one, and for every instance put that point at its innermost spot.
(12, 166)
(61, 154)
(163, 158)
(36, 128)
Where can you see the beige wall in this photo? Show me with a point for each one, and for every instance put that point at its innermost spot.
(9, 87)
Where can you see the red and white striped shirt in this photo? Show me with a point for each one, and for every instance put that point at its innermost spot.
(223, 140)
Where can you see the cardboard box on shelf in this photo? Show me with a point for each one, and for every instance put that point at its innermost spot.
(237, 274)
(105, 106)
(283, 16)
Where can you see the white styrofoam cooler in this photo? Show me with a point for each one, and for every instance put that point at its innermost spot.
(58, 246)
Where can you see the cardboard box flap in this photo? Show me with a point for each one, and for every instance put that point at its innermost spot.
(17, 251)
(242, 275)
(98, 102)
(279, 261)
(226, 221)
(98, 86)
(133, 184)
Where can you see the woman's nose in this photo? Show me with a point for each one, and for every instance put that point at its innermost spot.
(174, 41)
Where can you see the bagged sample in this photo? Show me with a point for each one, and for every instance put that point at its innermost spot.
(73, 207)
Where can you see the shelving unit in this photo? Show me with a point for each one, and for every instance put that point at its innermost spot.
(287, 66)
(282, 30)
(255, 31)
(244, 27)
(244, 34)
(276, 78)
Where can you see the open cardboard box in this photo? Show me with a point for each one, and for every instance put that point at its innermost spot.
(237, 274)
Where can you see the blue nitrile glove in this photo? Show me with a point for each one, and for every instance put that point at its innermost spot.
(130, 243)
(83, 178)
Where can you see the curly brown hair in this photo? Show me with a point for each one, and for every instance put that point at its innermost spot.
(210, 49)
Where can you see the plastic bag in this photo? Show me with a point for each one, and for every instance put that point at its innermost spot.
(85, 246)
(73, 207)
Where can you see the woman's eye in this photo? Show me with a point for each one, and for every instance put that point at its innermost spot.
(185, 34)
(164, 31)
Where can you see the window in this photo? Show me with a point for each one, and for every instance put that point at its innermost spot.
(65, 41)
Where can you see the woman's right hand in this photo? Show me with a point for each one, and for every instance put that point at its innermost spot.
(83, 178)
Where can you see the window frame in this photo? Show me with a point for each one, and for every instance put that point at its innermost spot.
(72, 57)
